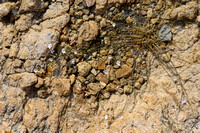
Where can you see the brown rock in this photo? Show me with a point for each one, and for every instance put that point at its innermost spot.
(128, 89)
(137, 85)
(24, 80)
(5, 8)
(62, 86)
(100, 5)
(39, 83)
(83, 68)
(77, 87)
(57, 23)
(17, 63)
(101, 77)
(88, 30)
(30, 5)
(188, 11)
(101, 65)
(36, 110)
(93, 88)
(34, 46)
(111, 87)
(72, 78)
(13, 50)
(130, 62)
(24, 22)
(125, 72)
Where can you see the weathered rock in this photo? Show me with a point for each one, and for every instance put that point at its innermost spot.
(100, 5)
(188, 11)
(5, 8)
(93, 88)
(125, 72)
(17, 63)
(165, 33)
(88, 31)
(101, 77)
(77, 87)
(90, 3)
(24, 80)
(13, 50)
(36, 110)
(39, 83)
(137, 85)
(111, 87)
(128, 89)
(57, 9)
(34, 44)
(83, 68)
(24, 22)
(61, 86)
(101, 65)
(57, 23)
(29, 5)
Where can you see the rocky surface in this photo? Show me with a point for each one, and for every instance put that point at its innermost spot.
(99, 66)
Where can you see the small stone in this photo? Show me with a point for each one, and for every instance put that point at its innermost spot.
(77, 88)
(72, 78)
(5, 8)
(128, 89)
(165, 33)
(101, 65)
(101, 77)
(90, 3)
(130, 62)
(106, 94)
(128, 20)
(111, 87)
(149, 13)
(103, 52)
(155, 20)
(103, 23)
(17, 63)
(125, 72)
(94, 88)
(102, 85)
(137, 85)
(82, 79)
(39, 83)
(141, 80)
(95, 72)
(84, 68)
(88, 30)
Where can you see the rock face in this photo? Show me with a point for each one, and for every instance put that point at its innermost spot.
(88, 30)
(29, 5)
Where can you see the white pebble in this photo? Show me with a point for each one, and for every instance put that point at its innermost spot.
(183, 101)
(118, 62)
(105, 72)
(174, 78)
(113, 25)
(50, 59)
(75, 52)
(73, 61)
(63, 51)
(106, 117)
(50, 46)
(106, 124)
(35, 70)
(109, 56)
(121, 117)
